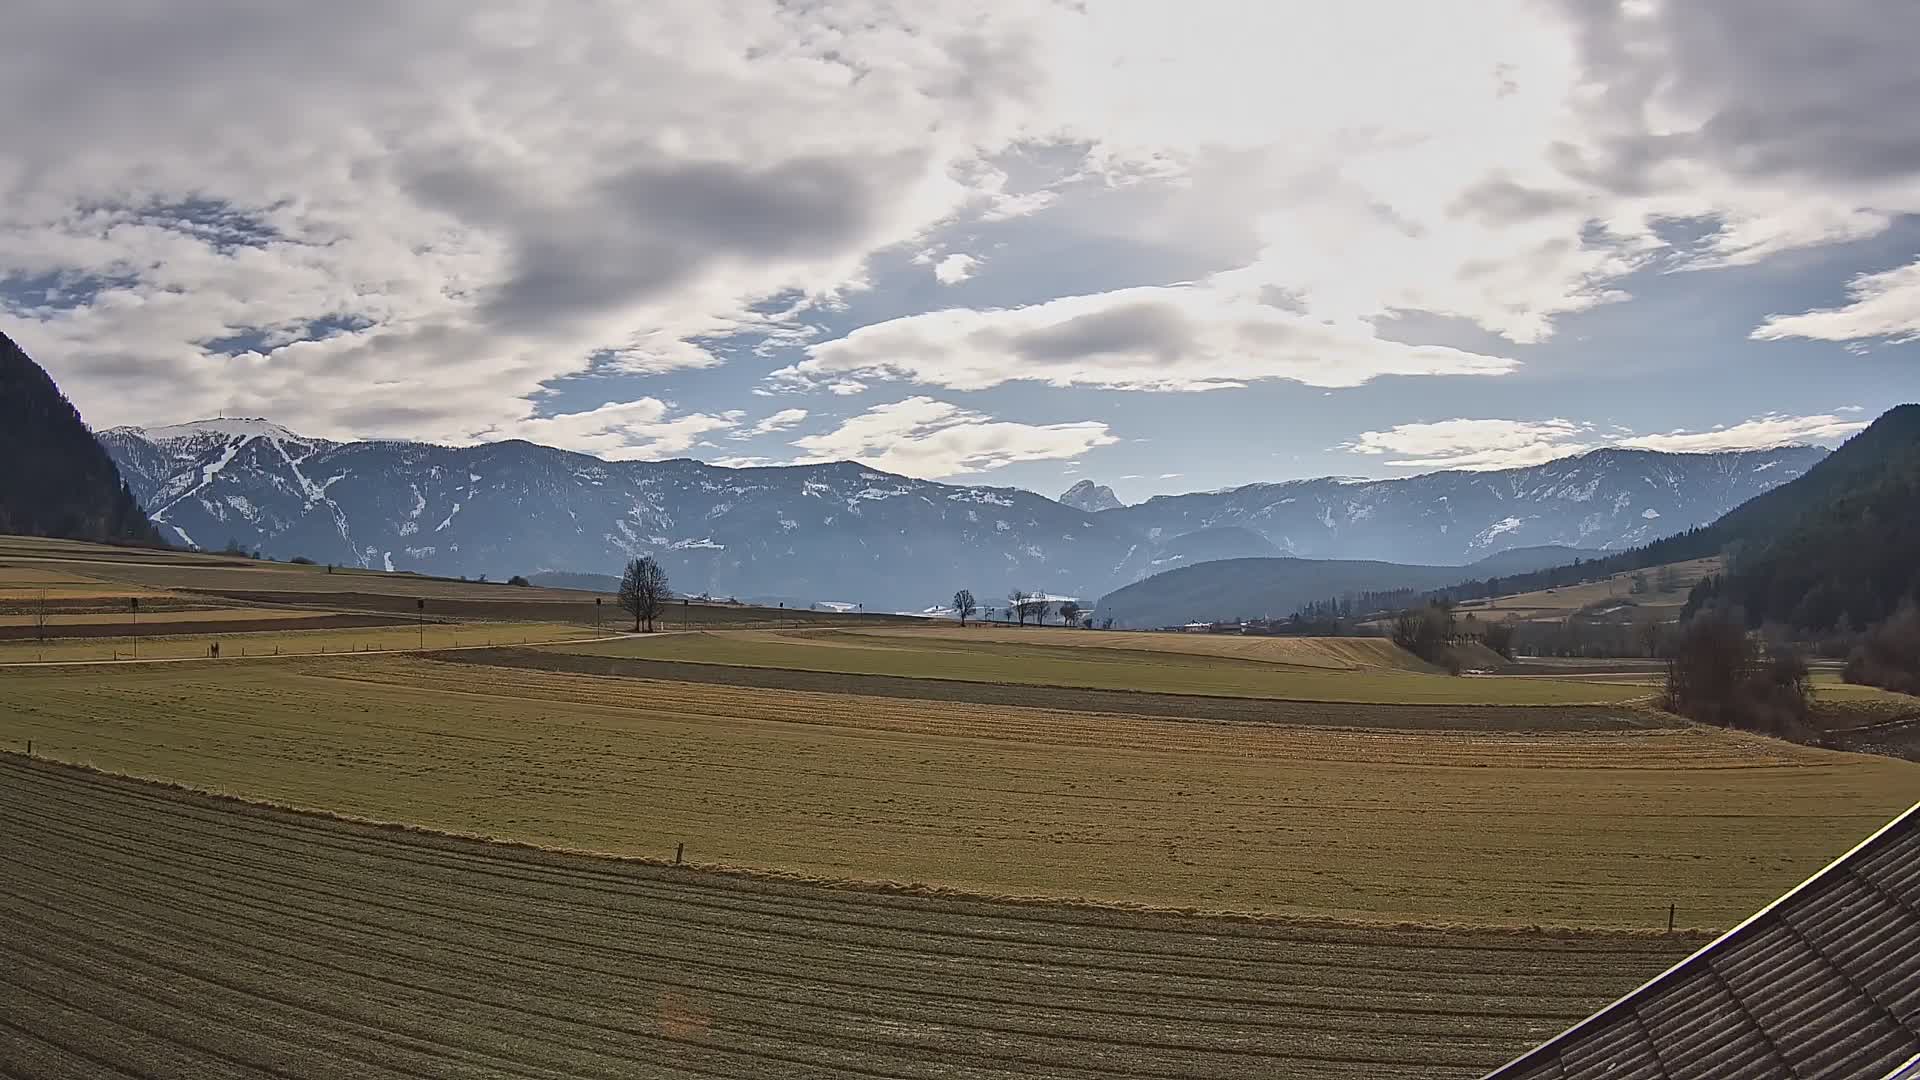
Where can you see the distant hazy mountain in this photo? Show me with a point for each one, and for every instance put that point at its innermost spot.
(1231, 589)
(847, 533)
(1273, 588)
(1527, 560)
(1091, 497)
(54, 478)
(1606, 499)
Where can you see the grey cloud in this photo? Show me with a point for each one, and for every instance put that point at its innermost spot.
(1140, 327)
(1819, 91)
(651, 227)
(1499, 201)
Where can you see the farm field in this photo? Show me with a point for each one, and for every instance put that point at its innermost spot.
(1135, 662)
(1561, 602)
(278, 637)
(70, 571)
(1580, 829)
(153, 932)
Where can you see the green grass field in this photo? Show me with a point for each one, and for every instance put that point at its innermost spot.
(1593, 829)
(1125, 662)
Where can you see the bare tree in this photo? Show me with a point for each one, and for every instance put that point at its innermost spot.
(40, 617)
(643, 591)
(1042, 607)
(1017, 603)
(963, 605)
(1069, 612)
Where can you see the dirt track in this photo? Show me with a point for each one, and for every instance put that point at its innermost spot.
(152, 932)
(1124, 702)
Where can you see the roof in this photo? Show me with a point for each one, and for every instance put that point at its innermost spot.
(1823, 982)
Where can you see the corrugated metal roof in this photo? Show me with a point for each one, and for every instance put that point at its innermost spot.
(1823, 982)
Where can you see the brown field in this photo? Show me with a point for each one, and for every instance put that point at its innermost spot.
(1336, 654)
(208, 625)
(67, 571)
(1594, 829)
(329, 633)
(152, 932)
(1145, 663)
(1455, 717)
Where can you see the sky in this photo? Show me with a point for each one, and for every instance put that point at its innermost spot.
(1165, 247)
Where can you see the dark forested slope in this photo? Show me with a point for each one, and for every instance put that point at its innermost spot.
(55, 480)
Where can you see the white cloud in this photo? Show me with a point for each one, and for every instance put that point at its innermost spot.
(930, 439)
(955, 268)
(1756, 434)
(779, 421)
(1883, 305)
(847, 387)
(1507, 444)
(1170, 338)
(1474, 444)
(445, 207)
(488, 196)
(1171, 475)
(621, 431)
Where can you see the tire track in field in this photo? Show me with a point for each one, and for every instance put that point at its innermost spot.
(155, 931)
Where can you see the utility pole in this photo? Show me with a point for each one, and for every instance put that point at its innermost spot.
(420, 606)
(596, 614)
(134, 603)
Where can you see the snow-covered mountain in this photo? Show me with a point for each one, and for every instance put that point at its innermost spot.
(1606, 499)
(1091, 497)
(845, 532)
(800, 533)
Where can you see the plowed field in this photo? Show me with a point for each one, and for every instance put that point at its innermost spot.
(155, 933)
(1573, 828)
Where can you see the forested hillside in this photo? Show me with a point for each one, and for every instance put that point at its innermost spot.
(55, 480)
(1842, 540)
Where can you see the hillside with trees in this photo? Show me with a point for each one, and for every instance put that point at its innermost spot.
(55, 480)
(1838, 541)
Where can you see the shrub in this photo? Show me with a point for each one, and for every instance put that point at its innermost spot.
(1719, 674)
(518, 580)
(301, 560)
(1889, 655)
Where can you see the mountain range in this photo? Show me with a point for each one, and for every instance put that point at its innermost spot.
(845, 532)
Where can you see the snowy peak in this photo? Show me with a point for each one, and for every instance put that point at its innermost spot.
(1090, 497)
(226, 427)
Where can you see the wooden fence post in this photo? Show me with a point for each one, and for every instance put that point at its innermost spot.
(679, 849)
(1670, 909)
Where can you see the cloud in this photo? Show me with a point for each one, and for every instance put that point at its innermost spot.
(1474, 444)
(437, 209)
(779, 421)
(1758, 433)
(1884, 305)
(492, 196)
(1166, 338)
(620, 431)
(846, 387)
(1506, 444)
(931, 439)
(955, 268)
